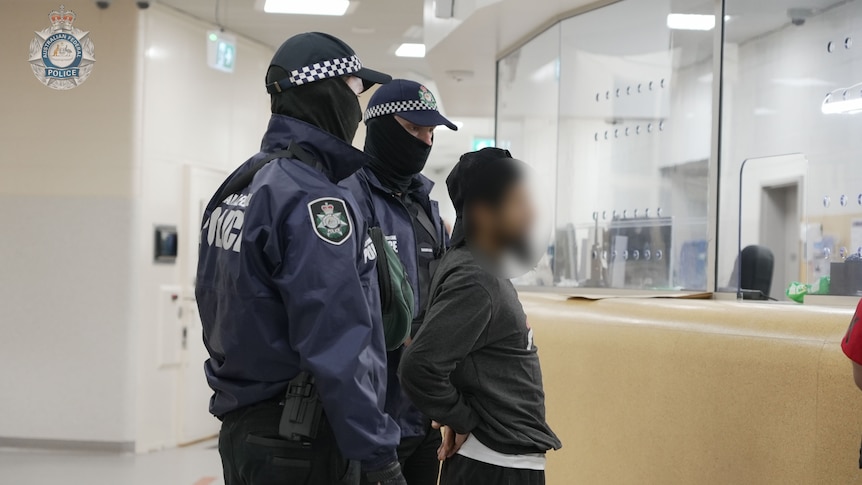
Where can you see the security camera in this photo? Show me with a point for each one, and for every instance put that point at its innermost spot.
(798, 16)
(103, 4)
(143, 5)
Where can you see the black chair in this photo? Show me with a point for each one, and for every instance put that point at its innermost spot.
(758, 265)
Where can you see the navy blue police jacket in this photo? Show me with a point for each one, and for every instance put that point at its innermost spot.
(380, 206)
(284, 285)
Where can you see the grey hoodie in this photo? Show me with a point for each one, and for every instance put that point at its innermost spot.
(473, 365)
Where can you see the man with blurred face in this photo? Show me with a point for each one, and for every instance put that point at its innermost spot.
(288, 300)
(400, 119)
(472, 367)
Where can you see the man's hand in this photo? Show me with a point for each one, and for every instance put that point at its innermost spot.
(452, 441)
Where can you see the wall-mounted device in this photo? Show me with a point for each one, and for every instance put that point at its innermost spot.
(165, 244)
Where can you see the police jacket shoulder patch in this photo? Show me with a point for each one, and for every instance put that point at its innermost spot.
(330, 220)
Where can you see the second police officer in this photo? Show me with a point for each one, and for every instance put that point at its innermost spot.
(400, 120)
(289, 304)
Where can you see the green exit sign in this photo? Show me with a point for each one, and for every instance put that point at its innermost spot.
(480, 143)
(221, 51)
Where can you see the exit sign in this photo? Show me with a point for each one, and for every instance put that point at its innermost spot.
(221, 51)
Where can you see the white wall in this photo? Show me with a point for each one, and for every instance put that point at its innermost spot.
(87, 173)
(66, 159)
(190, 116)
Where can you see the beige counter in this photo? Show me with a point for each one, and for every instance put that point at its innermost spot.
(697, 392)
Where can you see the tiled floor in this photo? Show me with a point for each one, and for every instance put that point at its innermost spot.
(198, 465)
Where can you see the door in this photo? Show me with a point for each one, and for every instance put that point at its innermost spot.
(780, 232)
(195, 421)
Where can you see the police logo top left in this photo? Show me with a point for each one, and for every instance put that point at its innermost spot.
(62, 56)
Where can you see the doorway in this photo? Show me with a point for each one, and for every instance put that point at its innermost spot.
(780, 232)
(195, 421)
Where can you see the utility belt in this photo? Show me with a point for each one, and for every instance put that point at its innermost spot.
(302, 410)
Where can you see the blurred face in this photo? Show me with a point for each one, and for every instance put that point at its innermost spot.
(509, 224)
(422, 133)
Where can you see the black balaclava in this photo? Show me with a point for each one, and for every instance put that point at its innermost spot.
(396, 155)
(328, 104)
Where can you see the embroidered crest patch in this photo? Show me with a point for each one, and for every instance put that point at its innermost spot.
(426, 97)
(330, 219)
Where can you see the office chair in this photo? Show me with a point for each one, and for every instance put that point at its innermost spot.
(757, 264)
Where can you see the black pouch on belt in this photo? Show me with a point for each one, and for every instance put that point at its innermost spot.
(300, 418)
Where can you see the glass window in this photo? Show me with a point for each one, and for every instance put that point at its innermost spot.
(791, 98)
(527, 118)
(627, 113)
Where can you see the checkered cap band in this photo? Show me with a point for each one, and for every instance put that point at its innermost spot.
(325, 69)
(396, 107)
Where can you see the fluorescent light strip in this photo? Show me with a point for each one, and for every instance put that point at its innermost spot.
(307, 7)
(410, 50)
(843, 101)
(850, 106)
(683, 21)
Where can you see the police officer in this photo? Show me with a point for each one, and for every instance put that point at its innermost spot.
(289, 304)
(400, 119)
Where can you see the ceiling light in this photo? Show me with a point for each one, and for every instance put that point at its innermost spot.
(801, 82)
(683, 21)
(410, 50)
(307, 7)
(843, 101)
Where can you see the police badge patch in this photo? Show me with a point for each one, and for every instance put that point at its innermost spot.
(331, 220)
(427, 97)
(61, 55)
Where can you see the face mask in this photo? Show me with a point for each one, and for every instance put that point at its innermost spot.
(328, 104)
(397, 156)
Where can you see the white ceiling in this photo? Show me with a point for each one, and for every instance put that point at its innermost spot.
(374, 28)
(467, 43)
(474, 43)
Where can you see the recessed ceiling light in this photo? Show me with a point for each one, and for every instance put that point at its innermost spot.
(683, 21)
(307, 7)
(410, 50)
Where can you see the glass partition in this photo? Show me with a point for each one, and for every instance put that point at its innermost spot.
(623, 126)
(792, 86)
(528, 118)
(615, 108)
